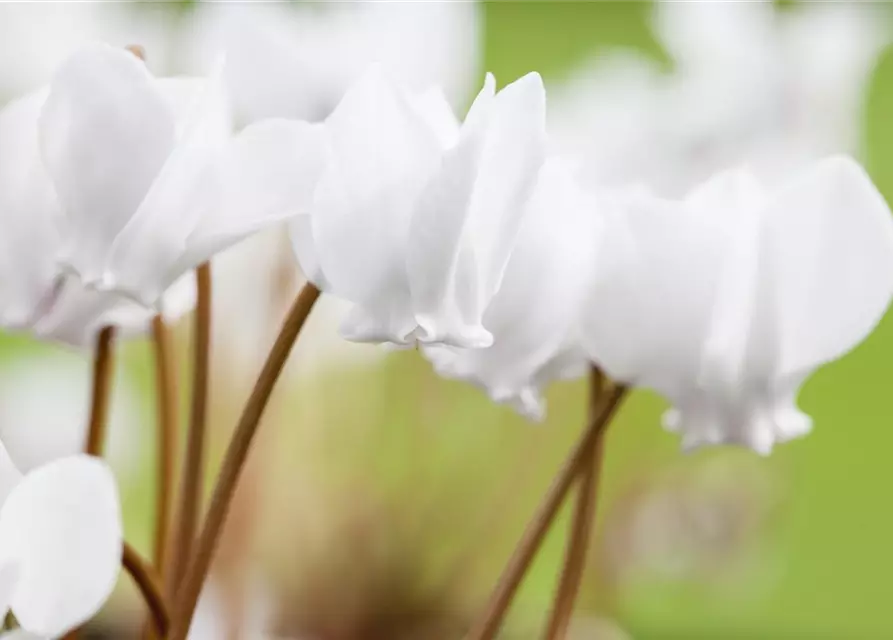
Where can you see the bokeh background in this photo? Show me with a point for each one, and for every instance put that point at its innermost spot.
(381, 502)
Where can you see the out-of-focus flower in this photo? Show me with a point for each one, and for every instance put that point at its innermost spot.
(750, 85)
(37, 431)
(532, 317)
(33, 296)
(36, 37)
(727, 301)
(60, 542)
(290, 61)
(414, 218)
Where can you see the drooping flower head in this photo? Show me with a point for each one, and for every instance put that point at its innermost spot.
(725, 302)
(415, 217)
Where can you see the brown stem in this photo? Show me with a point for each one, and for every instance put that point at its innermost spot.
(149, 584)
(194, 460)
(581, 527)
(103, 362)
(508, 584)
(166, 394)
(200, 563)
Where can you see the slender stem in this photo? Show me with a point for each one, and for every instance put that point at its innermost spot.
(237, 452)
(581, 528)
(166, 394)
(103, 362)
(149, 584)
(194, 460)
(508, 584)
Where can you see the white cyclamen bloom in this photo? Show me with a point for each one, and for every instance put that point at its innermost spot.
(726, 302)
(414, 217)
(34, 296)
(322, 51)
(749, 84)
(60, 542)
(149, 178)
(533, 316)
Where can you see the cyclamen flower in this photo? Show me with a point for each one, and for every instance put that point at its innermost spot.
(533, 316)
(33, 295)
(726, 302)
(414, 217)
(322, 53)
(149, 179)
(60, 542)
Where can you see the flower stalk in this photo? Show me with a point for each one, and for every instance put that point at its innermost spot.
(539, 526)
(234, 461)
(194, 459)
(103, 363)
(166, 393)
(583, 520)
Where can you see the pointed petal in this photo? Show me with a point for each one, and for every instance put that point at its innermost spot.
(465, 224)
(105, 133)
(63, 524)
(830, 240)
(380, 154)
(533, 314)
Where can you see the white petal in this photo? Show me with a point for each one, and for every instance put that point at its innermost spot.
(9, 475)
(268, 175)
(534, 313)
(831, 253)
(653, 293)
(186, 190)
(106, 131)
(21, 634)
(29, 210)
(380, 154)
(434, 108)
(465, 225)
(63, 524)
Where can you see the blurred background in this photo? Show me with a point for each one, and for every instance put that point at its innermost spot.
(380, 502)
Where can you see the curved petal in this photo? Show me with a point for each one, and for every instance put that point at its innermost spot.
(435, 110)
(105, 133)
(652, 297)
(268, 174)
(533, 315)
(186, 190)
(29, 211)
(465, 224)
(10, 573)
(830, 238)
(380, 153)
(63, 525)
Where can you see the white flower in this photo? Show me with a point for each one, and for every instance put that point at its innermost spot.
(60, 542)
(297, 62)
(749, 85)
(33, 295)
(533, 316)
(726, 302)
(148, 177)
(414, 218)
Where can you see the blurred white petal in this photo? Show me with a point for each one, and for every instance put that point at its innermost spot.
(62, 523)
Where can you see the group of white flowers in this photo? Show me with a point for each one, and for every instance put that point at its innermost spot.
(466, 239)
